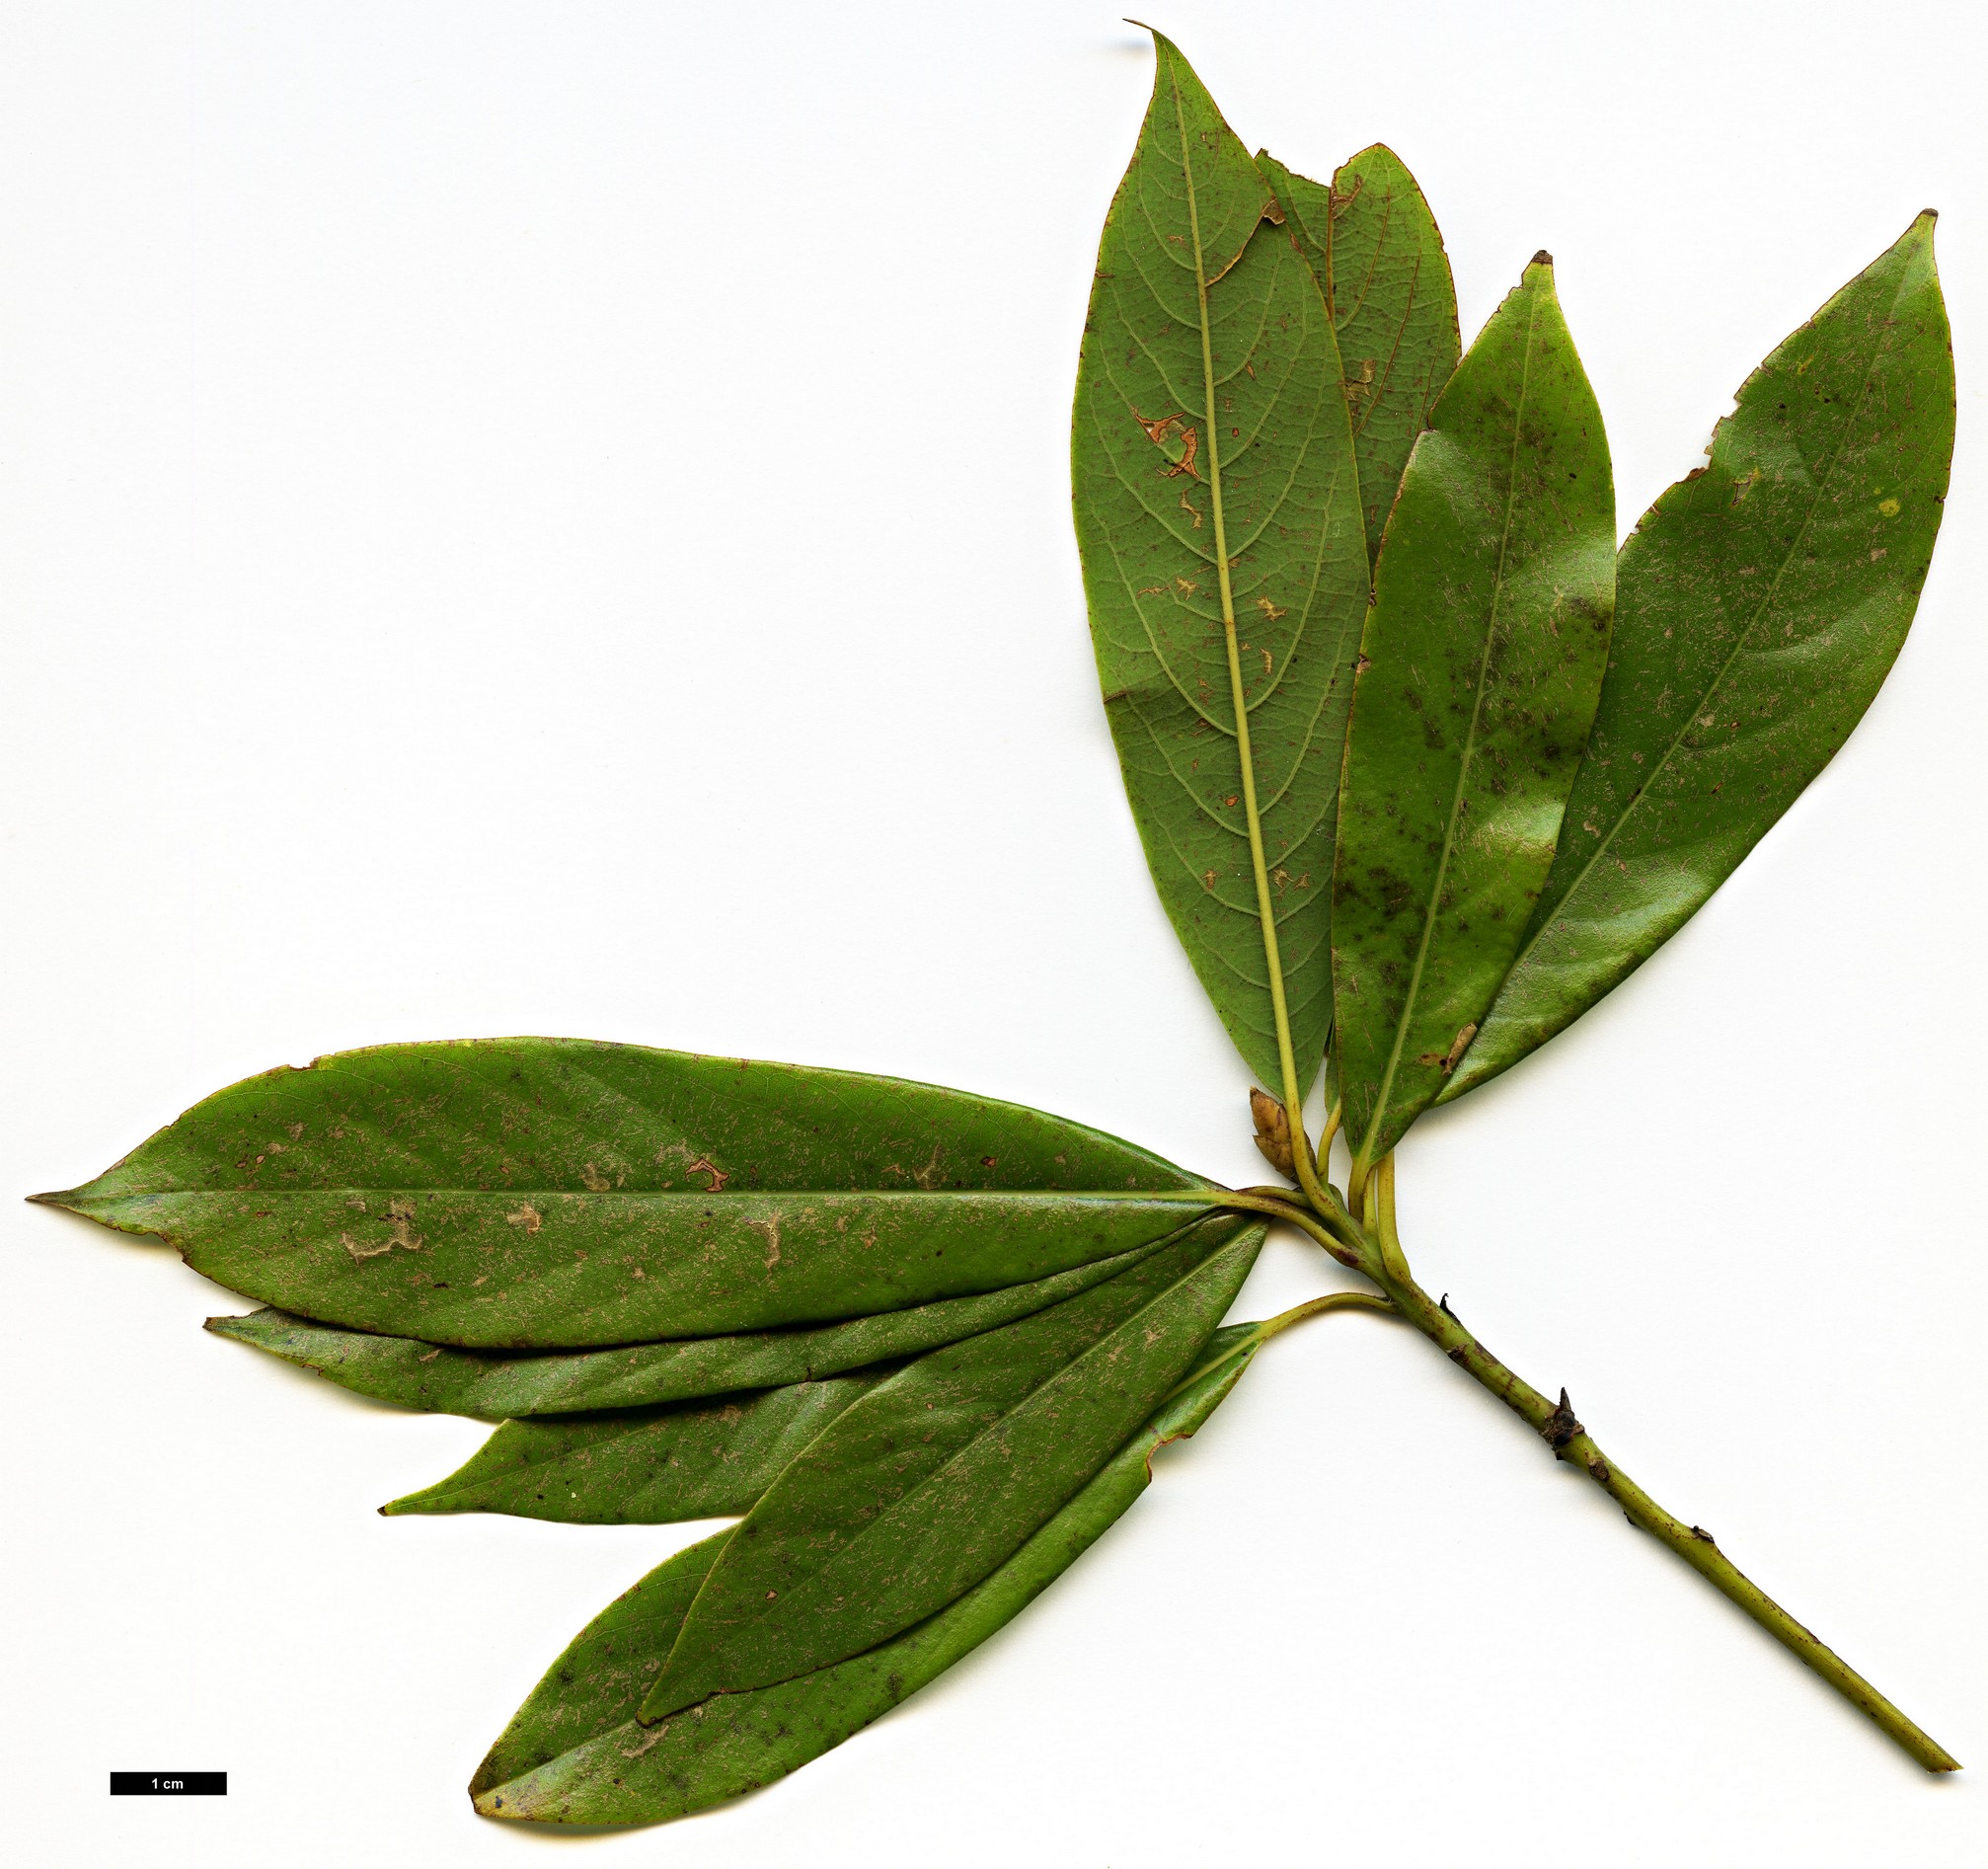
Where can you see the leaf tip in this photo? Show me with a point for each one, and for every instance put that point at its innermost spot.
(490, 1802)
(1542, 258)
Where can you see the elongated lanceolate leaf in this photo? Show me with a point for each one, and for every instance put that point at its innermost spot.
(644, 1466)
(500, 1385)
(576, 1754)
(599, 1679)
(1374, 247)
(1759, 605)
(546, 1193)
(1482, 662)
(1217, 507)
(936, 1478)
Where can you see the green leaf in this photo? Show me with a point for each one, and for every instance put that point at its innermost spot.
(1480, 666)
(598, 1680)
(644, 1466)
(502, 1385)
(576, 1754)
(545, 1193)
(1217, 519)
(936, 1478)
(1760, 604)
(1375, 249)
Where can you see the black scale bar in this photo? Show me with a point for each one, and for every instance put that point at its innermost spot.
(169, 1784)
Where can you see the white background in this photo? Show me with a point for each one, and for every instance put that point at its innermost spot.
(553, 519)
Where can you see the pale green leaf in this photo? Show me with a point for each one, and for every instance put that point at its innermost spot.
(1217, 502)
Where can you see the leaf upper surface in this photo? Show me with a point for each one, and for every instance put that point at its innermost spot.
(599, 1679)
(644, 1466)
(576, 1754)
(500, 1385)
(1235, 424)
(1375, 249)
(1760, 604)
(936, 1478)
(1481, 666)
(541, 1193)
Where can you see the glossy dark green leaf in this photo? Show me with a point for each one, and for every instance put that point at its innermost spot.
(643, 1466)
(545, 1193)
(1214, 484)
(936, 1478)
(1375, 249)
(1480, 666)
(576, 1754)
(502, 1385)
(1759, 605)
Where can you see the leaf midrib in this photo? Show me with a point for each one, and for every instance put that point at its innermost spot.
(1238, 702)
(1172, 1196)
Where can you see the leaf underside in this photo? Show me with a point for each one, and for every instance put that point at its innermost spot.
(576, 1754)
(542, 1193)
(1172, 442)
(1376, 252)
(1482, 662)
(1759, 605)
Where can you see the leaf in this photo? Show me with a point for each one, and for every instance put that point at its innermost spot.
(500, 1385)
(936, 1478)
(547, 1193)
(645, 1466)
(1216, 507)
(1760, 604)
(599, 1678)
(1376, 250)
(575, 1752)
(1480, 666)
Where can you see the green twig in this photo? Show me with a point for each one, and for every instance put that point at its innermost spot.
(1379, 1254)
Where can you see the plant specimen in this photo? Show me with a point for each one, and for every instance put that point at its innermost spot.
(1424, 766)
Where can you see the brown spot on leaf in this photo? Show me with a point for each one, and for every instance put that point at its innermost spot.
(1177, 439)
(703, 1166)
